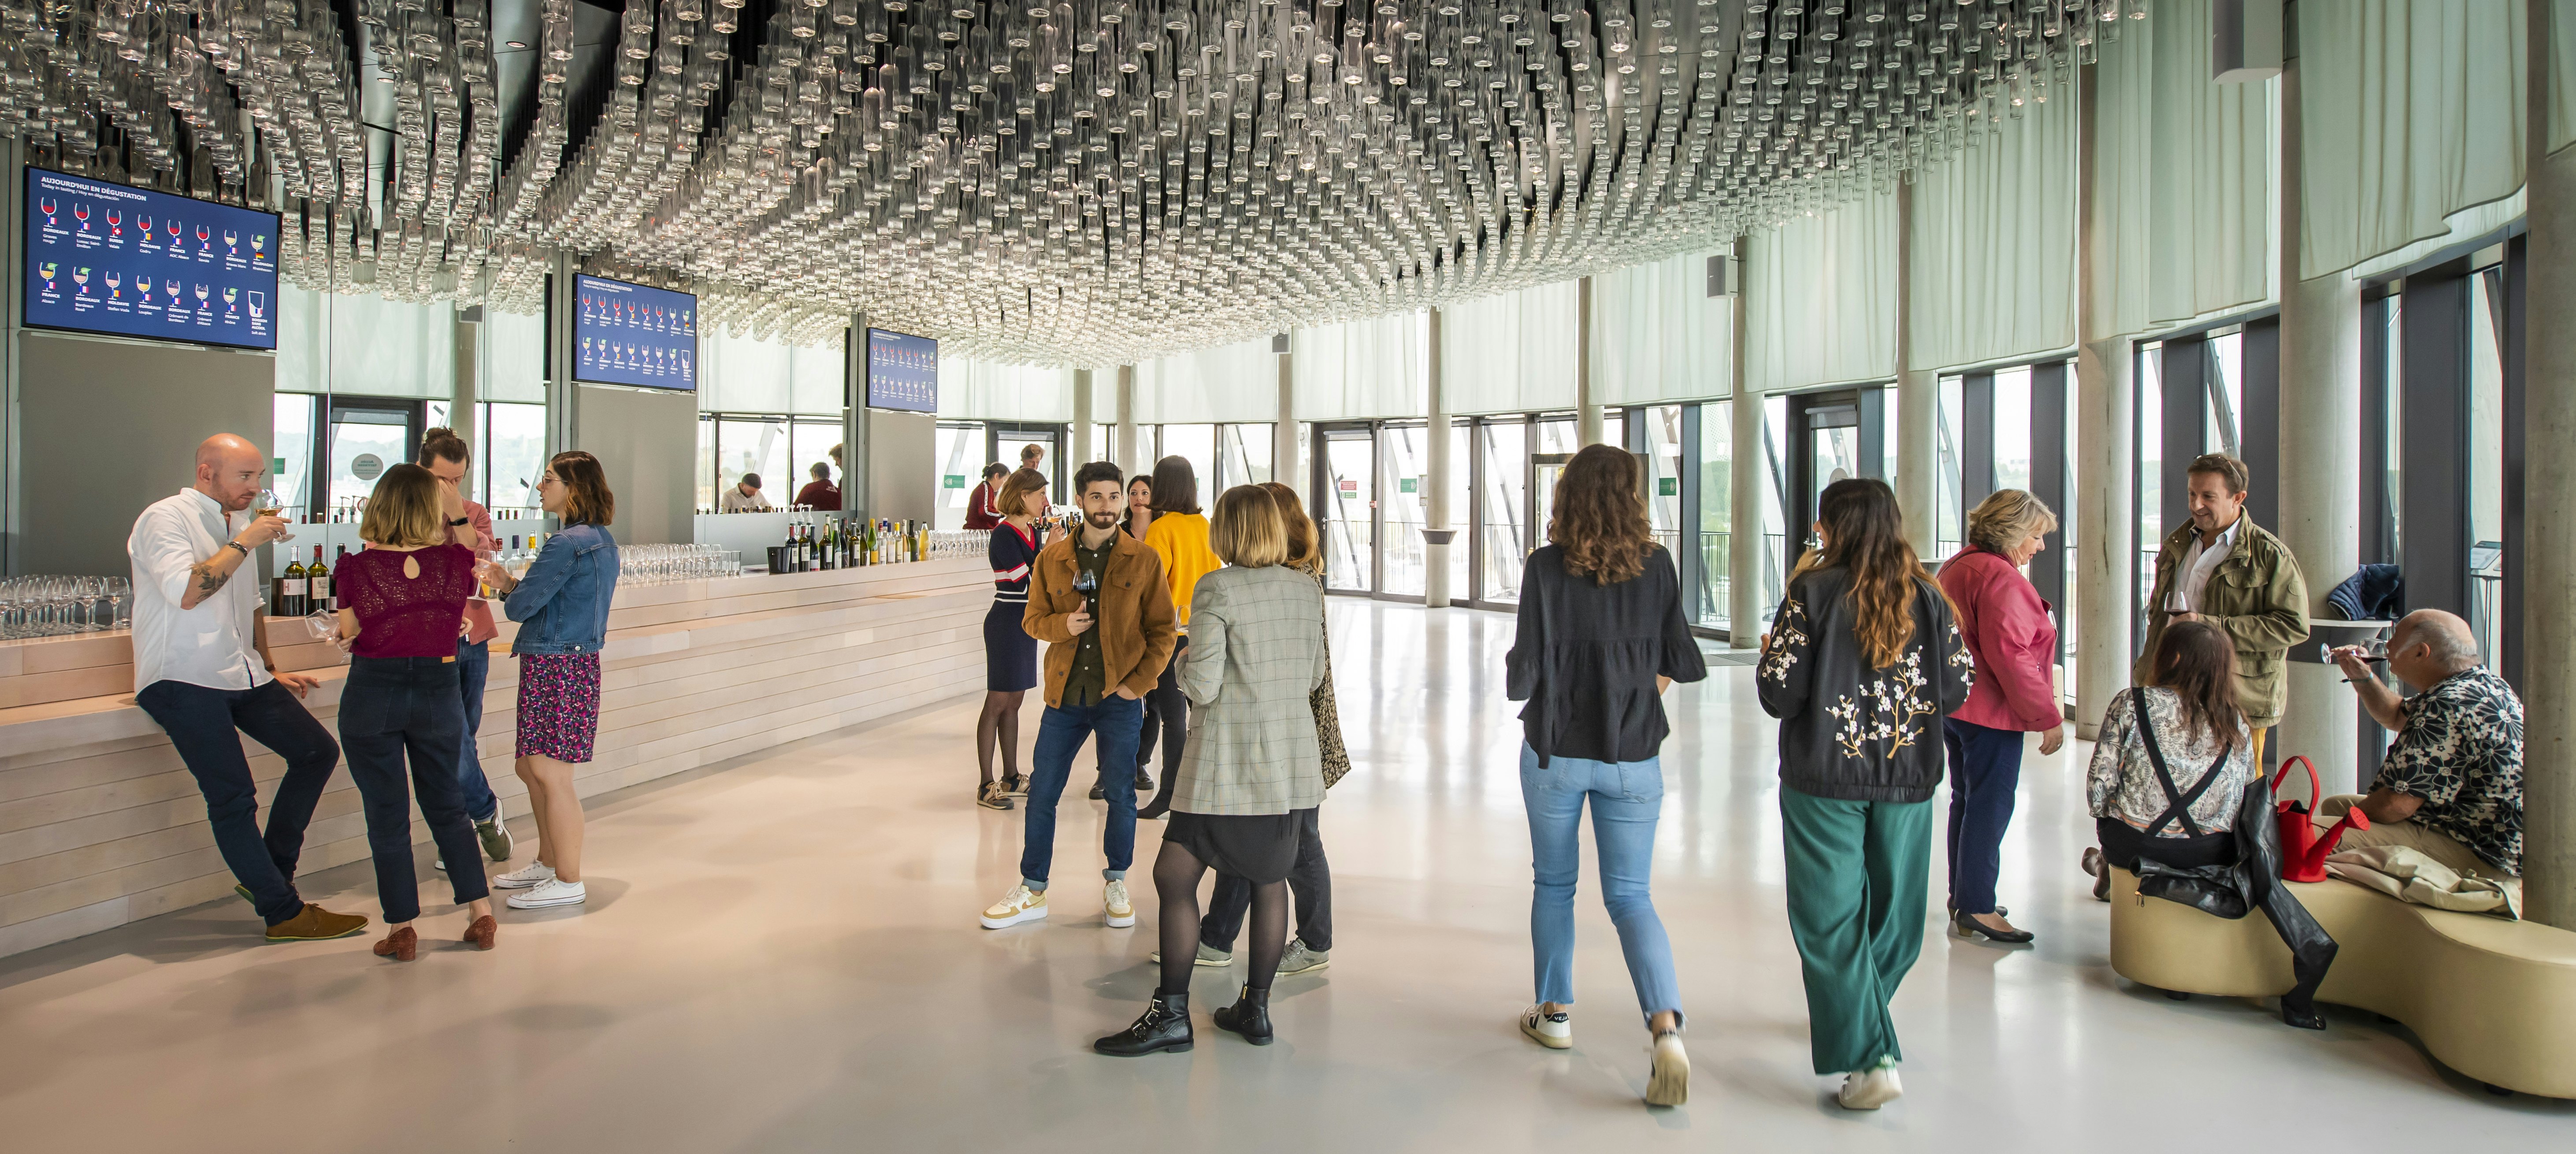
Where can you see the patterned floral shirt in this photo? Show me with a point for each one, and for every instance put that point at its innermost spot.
(2121, 783)
(2461, 751)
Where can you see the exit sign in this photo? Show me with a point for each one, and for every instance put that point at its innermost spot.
(1350, 488)
(1406, 484)
(952, 481)
(1668, 486)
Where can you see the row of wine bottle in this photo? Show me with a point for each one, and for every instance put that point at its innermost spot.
(300, 589)
(828, 542)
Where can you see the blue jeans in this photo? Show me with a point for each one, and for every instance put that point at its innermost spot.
(1060, 735)
(1985, 772)
(206, 726)
(395, 710)
(473, 667)
(1625, 799)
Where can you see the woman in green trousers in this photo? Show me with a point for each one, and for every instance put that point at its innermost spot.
(1862, 662)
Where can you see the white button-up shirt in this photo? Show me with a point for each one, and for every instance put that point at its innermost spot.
(2198, 564)
(211, 645)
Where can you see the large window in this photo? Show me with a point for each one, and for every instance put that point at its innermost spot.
(1243, 454)
(1948, 481)
(1662, 429)
(2151, 470)
(512, 439)
(780, 450)
(1403, 505)
(2486, 463)
(1716, 510)
(1197, 445)
(960, 450)
(2012, 429)
(1502, 542)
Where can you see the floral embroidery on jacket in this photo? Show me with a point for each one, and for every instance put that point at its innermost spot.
(1885, 708)
(1788, 637)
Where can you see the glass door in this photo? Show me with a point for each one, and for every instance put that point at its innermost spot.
(1544, 469)
(1004, 443)
(1502, 488)
(367, 438)
(1405, 510)
(1346, 504)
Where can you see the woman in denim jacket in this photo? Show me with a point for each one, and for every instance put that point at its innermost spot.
(561, 606)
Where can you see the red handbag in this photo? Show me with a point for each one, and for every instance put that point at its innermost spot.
(2303, 852)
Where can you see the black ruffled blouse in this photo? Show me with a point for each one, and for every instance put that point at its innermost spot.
(1586, 657)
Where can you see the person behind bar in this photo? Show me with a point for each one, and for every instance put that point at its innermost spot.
(202, 672)
(820, 494)
(743, 496)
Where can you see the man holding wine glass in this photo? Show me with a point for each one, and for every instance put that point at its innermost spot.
(2222, 568)
(2451, 786)
(203, 672)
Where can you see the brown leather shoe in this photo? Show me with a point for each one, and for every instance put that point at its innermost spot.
(316, 924)
(481, 934)
(402, 945)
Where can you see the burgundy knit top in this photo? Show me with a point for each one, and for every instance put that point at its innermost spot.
(402, 616)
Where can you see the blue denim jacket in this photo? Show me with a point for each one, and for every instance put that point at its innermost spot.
(562, 604)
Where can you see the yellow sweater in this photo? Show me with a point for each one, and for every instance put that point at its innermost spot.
(1181, 540)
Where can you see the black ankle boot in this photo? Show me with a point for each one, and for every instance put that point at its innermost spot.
(1249, 1017)
(1164, 1026)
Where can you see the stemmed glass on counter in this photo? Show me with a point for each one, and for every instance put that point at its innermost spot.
(47, 605)
(668, 564)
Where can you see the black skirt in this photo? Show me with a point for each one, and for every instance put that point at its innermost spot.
(1010, 654)
(1259, 848)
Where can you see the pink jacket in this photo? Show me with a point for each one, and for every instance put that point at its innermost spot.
(2006, 626)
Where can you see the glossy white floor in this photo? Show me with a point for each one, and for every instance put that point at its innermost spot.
(783, 955)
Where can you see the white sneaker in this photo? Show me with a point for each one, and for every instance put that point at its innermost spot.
(1669, 1083)
(1870, 1089)
(535, 873)
(1554, 1031)
(554, 892)
(1122, 913)
(1022, 904)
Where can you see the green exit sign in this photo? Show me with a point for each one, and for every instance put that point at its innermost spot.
(952, 481)
(1668, 486)
(1406, 484)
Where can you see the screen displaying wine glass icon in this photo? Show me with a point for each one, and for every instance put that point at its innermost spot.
(258, 305)
(145, 224)
(143, 284)
(80, 276)
(115, 223)
(81, 211)
(231, 295)
(202, 246)
(232, 243)
(112, 281)
(173, 226)
(258, 242)
(202, 292)
(47, 271)
(49, 207)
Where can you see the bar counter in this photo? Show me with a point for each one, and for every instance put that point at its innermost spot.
(100, 823)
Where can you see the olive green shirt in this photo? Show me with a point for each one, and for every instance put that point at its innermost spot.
(1089, 677)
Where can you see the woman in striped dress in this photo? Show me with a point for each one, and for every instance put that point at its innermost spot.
(1010, 654)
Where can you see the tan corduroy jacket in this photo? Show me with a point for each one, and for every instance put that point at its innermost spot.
(1136, 622)
(2257, 597)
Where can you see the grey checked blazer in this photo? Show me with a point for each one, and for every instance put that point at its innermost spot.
(1256, 655)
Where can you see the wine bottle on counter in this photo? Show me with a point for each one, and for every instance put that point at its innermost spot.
(317, 585)
(289, 598)
(831, 543)
(336, 558)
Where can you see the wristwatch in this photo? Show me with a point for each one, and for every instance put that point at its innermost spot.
(245, 550)
(460, 522)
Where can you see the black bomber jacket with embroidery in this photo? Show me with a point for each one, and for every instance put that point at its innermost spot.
(1849, 732)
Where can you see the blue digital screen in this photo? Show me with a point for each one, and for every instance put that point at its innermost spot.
(903, 372)
(628, 334)
(112, 259)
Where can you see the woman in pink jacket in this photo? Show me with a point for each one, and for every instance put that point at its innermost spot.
(2009, 631)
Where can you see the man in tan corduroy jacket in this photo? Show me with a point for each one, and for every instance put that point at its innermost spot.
(2224, 569)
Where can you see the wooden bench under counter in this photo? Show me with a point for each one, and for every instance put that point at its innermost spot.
(100, 823)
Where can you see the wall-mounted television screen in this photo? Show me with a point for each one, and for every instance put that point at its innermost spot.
(116, 260)
(903, 372)
(629, 334)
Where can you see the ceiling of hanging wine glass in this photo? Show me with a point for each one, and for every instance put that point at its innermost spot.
(1091, 181)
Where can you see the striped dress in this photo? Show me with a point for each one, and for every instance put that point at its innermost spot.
(1010, 654)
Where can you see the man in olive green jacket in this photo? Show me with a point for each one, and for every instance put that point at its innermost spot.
(2224, 569)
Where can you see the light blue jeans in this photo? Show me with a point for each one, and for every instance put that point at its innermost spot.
(1625, 799)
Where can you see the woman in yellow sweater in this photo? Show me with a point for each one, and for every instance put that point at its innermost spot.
(1179, 535)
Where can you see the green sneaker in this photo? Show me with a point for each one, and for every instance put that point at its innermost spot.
(495, 836)
(1213, 959)
(244, 891)
(1297, 959)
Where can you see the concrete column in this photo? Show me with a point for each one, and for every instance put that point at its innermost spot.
(1587, 410)
(1080, 451)
(2105, 410)
(1748, 486)
(2320, 460)
(1918, 404)
(1125, 453)
(1435, 504)
(562, 396)
(2549, 485)
(1285, 464)
(854, 418)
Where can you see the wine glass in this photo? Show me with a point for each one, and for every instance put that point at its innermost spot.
(267, 503)
(202, 233)
(87, 592)
(120, 614)
(50, 207)
(81, 212)
(11, 593)
(115, 223)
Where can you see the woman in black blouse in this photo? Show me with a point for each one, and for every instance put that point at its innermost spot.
(1601, 637)
(1861, 664)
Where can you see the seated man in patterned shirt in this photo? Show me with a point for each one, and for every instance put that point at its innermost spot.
(2452, 785)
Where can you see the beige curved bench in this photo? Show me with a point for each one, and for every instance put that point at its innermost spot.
(2493, 999)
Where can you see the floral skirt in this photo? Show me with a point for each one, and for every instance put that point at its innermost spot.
(558, 705)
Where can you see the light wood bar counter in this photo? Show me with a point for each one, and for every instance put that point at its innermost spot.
(100, 823)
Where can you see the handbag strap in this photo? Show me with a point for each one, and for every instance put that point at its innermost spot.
(2177, 802)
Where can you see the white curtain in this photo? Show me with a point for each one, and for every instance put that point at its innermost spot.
(364, 345)
(1994, 242)
(2411, 112)
(743, 375)
(977, 391)
(1821, 298)
(1658, 336)
(1510, 353)
(1378, 367)
(514, 358)
(2186, 176)
(1236, 382)
(814, 376)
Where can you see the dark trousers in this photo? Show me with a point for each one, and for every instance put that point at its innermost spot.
(1311, 880)
(398, 706)
(206, 726)
(1985, 773)
(1061, 732)
(1167, 719)
(473, 668)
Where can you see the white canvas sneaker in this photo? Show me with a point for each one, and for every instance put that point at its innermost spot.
(535, 873)
(1122, 913)
(1669, 1083)
(555, 892)
(1554, 1031)
(1871, 1088)
(1022, 904)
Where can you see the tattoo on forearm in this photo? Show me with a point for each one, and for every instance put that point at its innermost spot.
(208, 581)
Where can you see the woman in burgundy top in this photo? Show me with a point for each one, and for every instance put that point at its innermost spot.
(2008, 631)
(402, 607)
(980, 513)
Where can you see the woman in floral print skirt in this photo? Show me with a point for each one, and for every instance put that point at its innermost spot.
(1863, 661)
